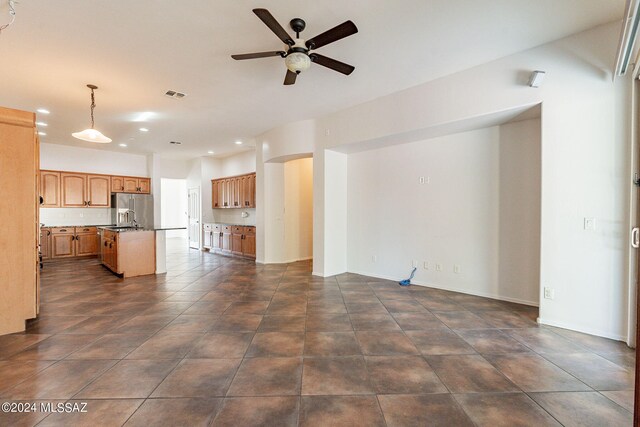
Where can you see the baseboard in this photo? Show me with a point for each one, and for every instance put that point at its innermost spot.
(578, 328)
(454, 289)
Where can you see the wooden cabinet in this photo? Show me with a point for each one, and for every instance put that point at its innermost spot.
(234, 192)
(19, 221)
(117, 184)
(45, 243)
(86, 241)
(144, 185)
(62, 242)
(98, 191)
(230, 239)
(236, 239)
(79, 190)
(249, 242)
(137, 185)
(50, 189)
(67, 242)
(74, 190)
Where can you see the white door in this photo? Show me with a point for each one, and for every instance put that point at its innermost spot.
(194, 218)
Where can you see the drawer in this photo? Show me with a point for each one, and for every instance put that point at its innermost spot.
(208, 227)
(237, 229)
(217, 227)
(249, 230)
(62, 230)
(226, 229)
(88, 230)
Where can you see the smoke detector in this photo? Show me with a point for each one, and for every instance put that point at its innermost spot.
(175, 94)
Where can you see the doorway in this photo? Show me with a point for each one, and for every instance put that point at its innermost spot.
(193, 213)
(173, 205)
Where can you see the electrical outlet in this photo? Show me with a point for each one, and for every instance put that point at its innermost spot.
(425, 265)
(456, 268)
(590, 224)
(374, 259)
(327, 132)
(81, 215)
(414, 263)
(548, 293)
(438, 266)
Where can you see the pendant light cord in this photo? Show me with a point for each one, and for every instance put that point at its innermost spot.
(12, 14)
(93, 105)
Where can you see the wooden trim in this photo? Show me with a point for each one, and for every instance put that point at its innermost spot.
(234, 176)
(9, 116)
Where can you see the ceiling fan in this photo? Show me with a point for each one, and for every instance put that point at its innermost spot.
(298, 56)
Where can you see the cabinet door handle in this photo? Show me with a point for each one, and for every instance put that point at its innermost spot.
(89, 203)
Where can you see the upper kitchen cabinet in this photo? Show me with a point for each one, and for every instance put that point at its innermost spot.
(81, 190)
(99, 191)
(117, 184)
(234, 192)
(144, 185)
(134, 185)
(130, 185)
(74, 190)
(50, 189)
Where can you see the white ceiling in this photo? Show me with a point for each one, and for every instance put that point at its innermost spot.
(136, 50)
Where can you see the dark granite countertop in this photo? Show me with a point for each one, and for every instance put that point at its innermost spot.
(132, 229)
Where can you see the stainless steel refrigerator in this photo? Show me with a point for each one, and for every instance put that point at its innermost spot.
(128, 210)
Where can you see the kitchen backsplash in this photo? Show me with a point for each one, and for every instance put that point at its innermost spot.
(75, 216)
(234, 216)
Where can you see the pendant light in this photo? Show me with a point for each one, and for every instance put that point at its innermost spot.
(92, 135)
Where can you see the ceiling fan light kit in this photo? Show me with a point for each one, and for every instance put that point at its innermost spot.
(298, 56)
(91, 134)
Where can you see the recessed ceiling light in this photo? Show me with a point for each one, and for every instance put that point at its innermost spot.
(42, 110)
(238, 142)
(210, 152)
(144, 130)
(42, 124)
(42, 134)
(122, 145)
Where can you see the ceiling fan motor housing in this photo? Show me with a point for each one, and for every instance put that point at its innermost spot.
(297, 59)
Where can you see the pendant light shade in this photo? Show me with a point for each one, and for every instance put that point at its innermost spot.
(91, 134)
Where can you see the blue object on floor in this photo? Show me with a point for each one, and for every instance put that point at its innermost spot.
(407, 282)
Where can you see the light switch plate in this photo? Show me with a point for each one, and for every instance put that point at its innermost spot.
(590, 224)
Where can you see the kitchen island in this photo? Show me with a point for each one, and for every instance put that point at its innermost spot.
(133, 251)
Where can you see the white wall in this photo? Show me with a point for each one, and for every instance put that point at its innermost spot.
(174, 206)
(298, 209)
(454, 218)
(335, 213)
(78, 159)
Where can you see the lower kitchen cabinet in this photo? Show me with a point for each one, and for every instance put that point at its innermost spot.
(62, 242)
(230, 239)
(68, 242)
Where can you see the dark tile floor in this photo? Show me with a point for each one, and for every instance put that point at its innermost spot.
(224, 342)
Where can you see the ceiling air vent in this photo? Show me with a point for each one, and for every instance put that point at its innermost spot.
(175, 142)
(174, 94)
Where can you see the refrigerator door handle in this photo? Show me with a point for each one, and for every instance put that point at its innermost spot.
(635, 238)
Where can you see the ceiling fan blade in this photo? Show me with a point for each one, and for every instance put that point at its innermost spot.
(258, 55)
(273, 25)
(336, 33)
(338, 66)
(290, 78)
